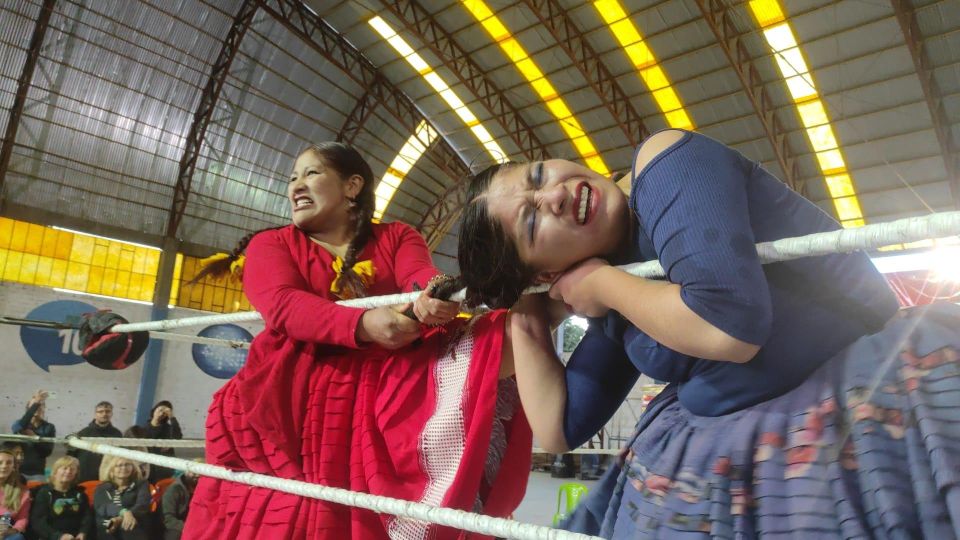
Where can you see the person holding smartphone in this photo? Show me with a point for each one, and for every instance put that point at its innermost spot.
(34, 423)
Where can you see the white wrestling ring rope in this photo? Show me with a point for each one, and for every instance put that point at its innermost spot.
(116, 441)
(200, 443)
(459, 519)
(939, 225)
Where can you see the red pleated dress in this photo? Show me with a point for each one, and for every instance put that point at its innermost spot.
(430, 423)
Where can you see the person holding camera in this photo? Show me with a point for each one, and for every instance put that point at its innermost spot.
(33, 424)
(162, 425)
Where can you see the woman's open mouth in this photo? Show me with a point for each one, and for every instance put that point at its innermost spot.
(585, 203)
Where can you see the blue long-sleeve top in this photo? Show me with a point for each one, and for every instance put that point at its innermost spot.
(700, 208)
(34, 454)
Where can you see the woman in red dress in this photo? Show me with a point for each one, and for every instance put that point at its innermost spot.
(349, 397)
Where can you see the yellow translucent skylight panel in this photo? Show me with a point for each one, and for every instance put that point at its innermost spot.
(812, 113)
(559, 108)
(789, 57)
(780, 37)
(440, 86)
(400, 45)
(415, 146)
(644, 61)
(801, 87)
(512, 48)
(481, 133)
(667, 100)
(821, 138)
(623, 29)
(655, 78)
(830, 160)
(840, 185)
(529, 70)
(418, 63)
(496, 28)
(535, 77)
(544, 89)
(434, 81)
(640, 55)
(847, 208)
(767, 12)
(791, 62)
(679, 118)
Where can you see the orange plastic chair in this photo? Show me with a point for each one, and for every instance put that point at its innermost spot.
(32, 484)
(573, 491)
(154, 497)
(89, 487)
(162, 486)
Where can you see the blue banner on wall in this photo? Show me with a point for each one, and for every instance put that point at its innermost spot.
(218, 361)
(49, 347)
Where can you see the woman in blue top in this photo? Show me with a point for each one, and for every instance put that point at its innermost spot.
(800, 403)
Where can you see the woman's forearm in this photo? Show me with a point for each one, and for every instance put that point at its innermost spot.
(540, 378)
(656, 308)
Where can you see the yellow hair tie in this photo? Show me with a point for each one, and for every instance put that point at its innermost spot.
(364, 269)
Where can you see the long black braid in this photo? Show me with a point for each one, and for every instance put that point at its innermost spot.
(221, 267)
(348, 162)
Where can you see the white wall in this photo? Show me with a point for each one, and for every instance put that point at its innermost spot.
(79, 387)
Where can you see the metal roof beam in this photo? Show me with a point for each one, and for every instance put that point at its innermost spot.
(441, 216)
(571, 39)
(314, 31)
(306, 24)
(354, 122)
(417, 20)
(717, 16)
(23, 85)
(931, 93)
(204, 112)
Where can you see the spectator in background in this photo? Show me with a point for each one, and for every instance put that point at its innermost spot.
(61, 510)
(162, 425)
(101, 426)
(33, 424)
(137, 432)
(16, 449)
(175, 503)
(14, 500)
(121, 502)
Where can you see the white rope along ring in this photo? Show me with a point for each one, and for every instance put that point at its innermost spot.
(116, 441)
(187, 338)
(939, 225)
(459, 519)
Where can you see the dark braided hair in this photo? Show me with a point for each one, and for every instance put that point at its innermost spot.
(490, 265)
(346, 162)
(221, 267)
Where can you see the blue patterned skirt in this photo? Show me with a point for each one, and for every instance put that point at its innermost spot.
(867, 447)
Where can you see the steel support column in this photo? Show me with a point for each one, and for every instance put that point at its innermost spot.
(204, 112)
(554, 18)
(23, 85)
(931, 92)
(417, 20)
(716, 14)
